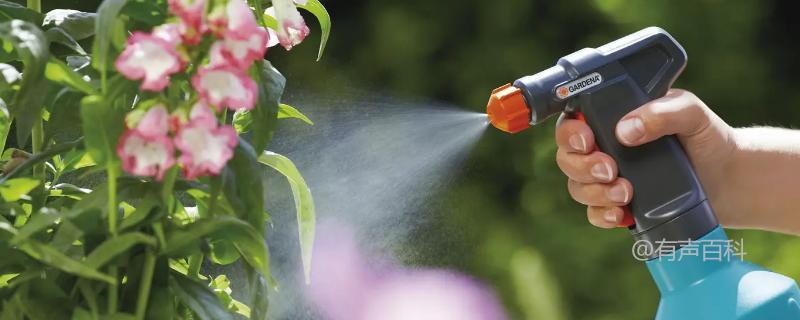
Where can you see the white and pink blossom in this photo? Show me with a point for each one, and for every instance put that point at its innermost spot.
(292, 29)
(240, 52)
(234, 20)
(205, 145)
(149, 58)
(147, 150)
(192, 19)
(169, 32)
(225, 86)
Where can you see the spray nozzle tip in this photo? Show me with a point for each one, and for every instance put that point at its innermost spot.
(507, 109)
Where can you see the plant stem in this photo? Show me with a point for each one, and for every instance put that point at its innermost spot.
(37, 142)
(37, 133)
(112, 290)
(111, 172)
(195, 262)
(144, 285)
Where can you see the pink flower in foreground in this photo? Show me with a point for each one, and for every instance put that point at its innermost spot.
(205, 146)
(191, 15)
(169, 32)
(292, 28)
(234, 20)
(149, 58)
(345, 286)
(147, 150)
(225, 86)
(242, 52)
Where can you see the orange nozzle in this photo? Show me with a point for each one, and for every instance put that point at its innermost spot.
(507, 109)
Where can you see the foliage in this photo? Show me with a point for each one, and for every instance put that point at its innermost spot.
(85, 232)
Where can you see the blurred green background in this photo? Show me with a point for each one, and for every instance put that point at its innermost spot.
(509, 221)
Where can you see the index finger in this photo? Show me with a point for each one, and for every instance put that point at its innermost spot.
(574, 136)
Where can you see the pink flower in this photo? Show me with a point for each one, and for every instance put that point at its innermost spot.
(205, 146)
(234, 20)
(292, 28)
(154, 123)
(225, 86)
(431, 294)
(169, 32)
(149, 58)
(191, 14)
(345, 285)
(147, 150)
(242, 52)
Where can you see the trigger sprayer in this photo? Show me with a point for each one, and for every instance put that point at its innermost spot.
(600, 86)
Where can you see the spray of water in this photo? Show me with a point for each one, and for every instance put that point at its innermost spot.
(373, 164)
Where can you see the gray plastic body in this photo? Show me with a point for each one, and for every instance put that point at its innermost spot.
(605, 84)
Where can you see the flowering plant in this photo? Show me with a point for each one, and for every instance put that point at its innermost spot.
(144, 156)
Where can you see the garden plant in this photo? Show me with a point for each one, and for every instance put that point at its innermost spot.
(134, 139)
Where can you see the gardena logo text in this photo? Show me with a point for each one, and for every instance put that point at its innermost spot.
(578, 86)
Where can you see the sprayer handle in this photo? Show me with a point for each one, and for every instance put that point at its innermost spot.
(666, 189)
(627, 217)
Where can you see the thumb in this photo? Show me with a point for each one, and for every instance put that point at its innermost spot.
(679, 112)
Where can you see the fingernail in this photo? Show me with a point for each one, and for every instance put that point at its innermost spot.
(630, 130)
(618, 193)
(602, 171)
(610, 216)
(577, 142)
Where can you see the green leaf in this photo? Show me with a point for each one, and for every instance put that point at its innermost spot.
(39, 221)
(58, 35)
(160, 305)
(142, 211)
(242, 120)
(304, 203)
(265, 114)
(15, 189)
(243, 188)
(316, 8)
(65, 123)
(222, 288)
(198, 297)
(52, 257)
(59, 72)
(247, 240)
(64, 239)
(223, 251)
(5, 124)
(79, 25)
(120, 316)
(10, 11)
(259, 295)
(102, 125)
(31, 46)
(115, 246)
(41, 157)
(81, 314)
(106, 17)
(287, 111)
(151, 13)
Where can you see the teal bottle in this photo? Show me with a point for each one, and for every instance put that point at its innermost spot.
(698, 287)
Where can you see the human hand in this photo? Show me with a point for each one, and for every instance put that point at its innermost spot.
(593, 176)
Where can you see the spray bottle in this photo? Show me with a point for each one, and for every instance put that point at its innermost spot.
(600, 86)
